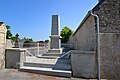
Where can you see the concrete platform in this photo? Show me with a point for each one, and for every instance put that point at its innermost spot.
(54, 66)
(52, 54)
(41, 65)
(48, 57)
(47, 71)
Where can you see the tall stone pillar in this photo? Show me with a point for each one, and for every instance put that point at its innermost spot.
(55, 33)
(3, 31)
(55, 43)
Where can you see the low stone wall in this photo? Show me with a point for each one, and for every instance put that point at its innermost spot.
(14, 57)
(110, 55)
(83, 64)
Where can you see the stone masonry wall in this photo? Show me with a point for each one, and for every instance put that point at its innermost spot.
(109, 14)
(71, 42)
(85, 37)
(110, 55)
(2, 43)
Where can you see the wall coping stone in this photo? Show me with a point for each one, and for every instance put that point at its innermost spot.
(16, 49)
(110, 33)
(83, 52)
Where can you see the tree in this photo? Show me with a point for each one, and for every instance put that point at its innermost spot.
(46, 41)
(27, 40)
(65, 34)
(9, 34)
(13, 38)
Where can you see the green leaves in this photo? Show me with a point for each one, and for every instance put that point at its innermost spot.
(27, 40)
(46, 41)
(8, 27)
(65, 34)
(9, 34)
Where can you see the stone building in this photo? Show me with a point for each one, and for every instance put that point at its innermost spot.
(2, 43)
(85, 39)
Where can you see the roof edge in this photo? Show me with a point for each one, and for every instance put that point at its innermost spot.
(85, 18)
(97, 5)
(88, 14)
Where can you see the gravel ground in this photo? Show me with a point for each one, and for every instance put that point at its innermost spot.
(14, 74)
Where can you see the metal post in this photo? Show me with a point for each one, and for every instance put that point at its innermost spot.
(98, 43)
(38, 49)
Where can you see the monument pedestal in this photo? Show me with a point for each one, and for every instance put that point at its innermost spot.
(53, 52)
(57, 51)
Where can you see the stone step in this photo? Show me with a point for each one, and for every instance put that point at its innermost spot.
(49, 60)
(42, 65)
(52, 54)
(42, 59)
(48, 57)
(47, 71)
(63, 61)
(65, 56)
(59, 66)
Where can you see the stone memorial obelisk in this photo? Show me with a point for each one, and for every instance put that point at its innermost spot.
(55, 43)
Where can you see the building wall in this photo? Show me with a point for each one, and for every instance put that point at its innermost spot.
(2, 43)
(109, 14)
(85, 37)
(83, 58)
(110, 55)
(83, 64)
(71, 42)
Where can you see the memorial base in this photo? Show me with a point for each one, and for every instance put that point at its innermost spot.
(57, 51)
(53, 52)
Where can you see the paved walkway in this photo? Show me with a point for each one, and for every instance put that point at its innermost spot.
(40, 60)
(14, 74)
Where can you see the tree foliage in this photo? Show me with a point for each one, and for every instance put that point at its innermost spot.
(13, 38)
(9, 34)
(46, 41)
(65, 34)
(27, 40)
